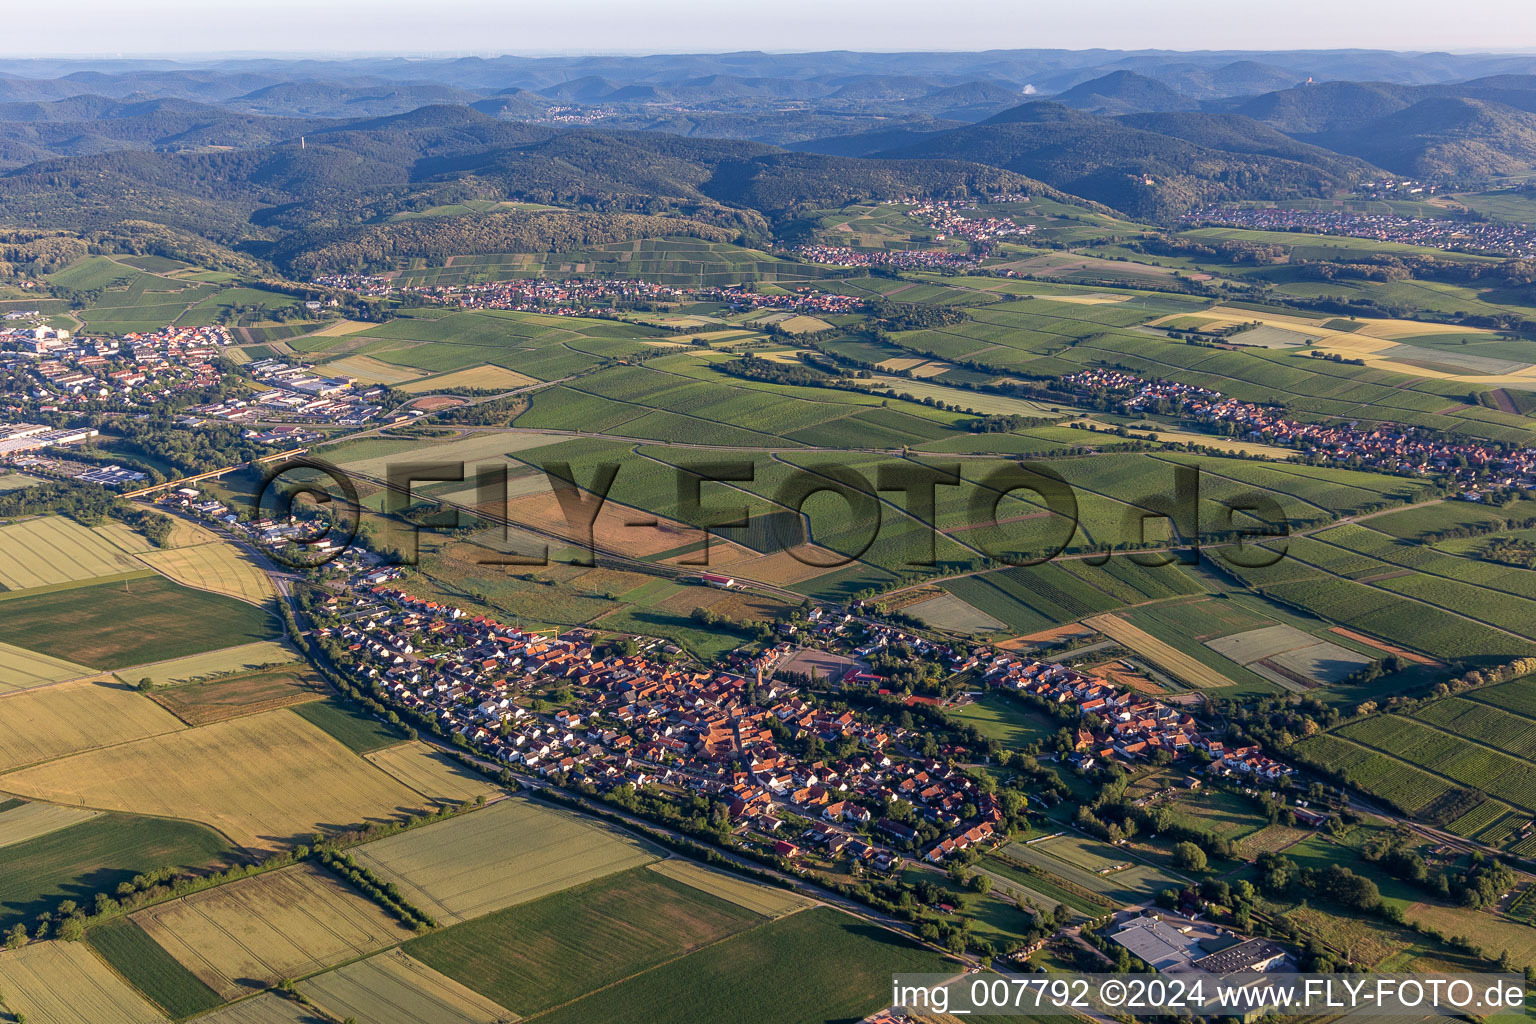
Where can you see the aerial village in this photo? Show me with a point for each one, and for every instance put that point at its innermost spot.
(642, 718)
(1476, 464)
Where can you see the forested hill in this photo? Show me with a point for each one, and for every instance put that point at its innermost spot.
(1151, 166)
(346, 185)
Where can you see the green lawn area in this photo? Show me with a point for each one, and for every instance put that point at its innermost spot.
(1229, 815)
(1006, 720)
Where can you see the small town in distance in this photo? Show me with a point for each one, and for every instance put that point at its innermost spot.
(698, 535)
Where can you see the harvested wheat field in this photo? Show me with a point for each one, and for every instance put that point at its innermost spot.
(431, 774)
(64, 983)
(1175, 663)
(122, 536)
(56, 721)
(244, 658)
(51, 549)
(220, 568)
(29, 821)
(247, 935)
(262, 780)
(761, 899)
(396, 988)
(267, 1008)
(21, 669)
(368, 370)
(486, 377)
(340, 329)
(511, 852)
(610, 531)
(186, 534)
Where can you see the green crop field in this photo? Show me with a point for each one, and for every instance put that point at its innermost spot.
(94, 856)
(815, 966)
(531, 957)
(133, 622)
(150, 969)
(355, 728)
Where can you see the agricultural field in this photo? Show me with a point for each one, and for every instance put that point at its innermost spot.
(432, 774)
(249, 934)
(474, 378)
(150, 969)
(96, 855)
(64, 983)
(50, 550)
(1408, 788)
(1096, 866)
(1490, 933)
(946, 611)
(1161, 655)
(537, 955)
(353, 727)
(21, 669)
(21, 821)
(395, 988)
(514, 851)
(761, 899)
(1460, 758)
(213, 664)
(218, 568)
(133, 622)
(813, 966)
(55, 721)
(307, 780)
(1289, 657)
(267, 1008)
(242, 693)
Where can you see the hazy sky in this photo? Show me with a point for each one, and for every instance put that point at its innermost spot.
(102, 27)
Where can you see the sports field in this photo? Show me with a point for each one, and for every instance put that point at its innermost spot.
(1174, 662)
(21, 669)
(133, 622)
(51, 549)
(245, 658)
(394, 988)
(19, 824)
(431, 774)
(511, 852)
(55, 721)
(280, 924)
(537, 955)
(219, 568)
(762, 899)
(64, 983)
(305, 780)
